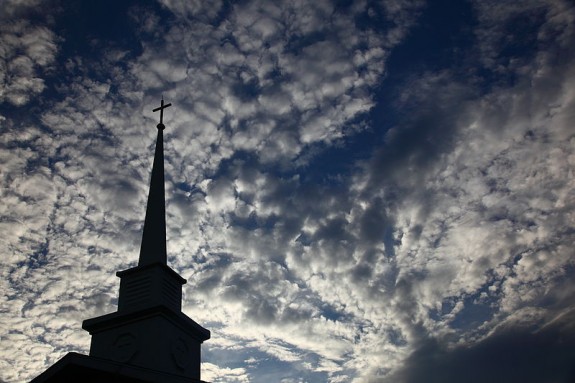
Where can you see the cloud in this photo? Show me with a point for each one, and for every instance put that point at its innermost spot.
(469, 227)
(214, 373)
(446, 244)
(257, 81)
(27, 52)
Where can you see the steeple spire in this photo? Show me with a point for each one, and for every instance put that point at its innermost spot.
(153, 248)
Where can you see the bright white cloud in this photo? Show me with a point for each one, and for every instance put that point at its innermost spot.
(27, 52)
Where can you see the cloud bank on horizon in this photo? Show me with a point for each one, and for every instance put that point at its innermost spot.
(357, 191)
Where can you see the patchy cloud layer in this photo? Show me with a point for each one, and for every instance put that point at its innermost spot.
(347, 202)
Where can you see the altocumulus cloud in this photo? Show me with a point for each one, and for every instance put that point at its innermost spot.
(357, 191)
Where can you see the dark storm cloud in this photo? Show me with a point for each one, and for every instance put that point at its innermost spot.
(508, 355)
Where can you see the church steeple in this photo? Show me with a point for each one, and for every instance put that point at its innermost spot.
(149, 330)
(153, 249)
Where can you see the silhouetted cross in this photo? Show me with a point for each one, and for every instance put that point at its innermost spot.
(161, 109)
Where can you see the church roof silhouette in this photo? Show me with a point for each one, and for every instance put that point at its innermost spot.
(148, 339)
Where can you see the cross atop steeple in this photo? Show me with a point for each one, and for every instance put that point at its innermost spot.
(161, 109)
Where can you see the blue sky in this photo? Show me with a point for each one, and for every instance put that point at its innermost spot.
(357, 191)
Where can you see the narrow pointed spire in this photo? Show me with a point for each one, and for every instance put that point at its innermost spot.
(153, 249)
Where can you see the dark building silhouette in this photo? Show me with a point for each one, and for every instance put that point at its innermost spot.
(148, 339)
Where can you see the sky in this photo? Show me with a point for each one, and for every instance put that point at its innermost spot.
(356, 191)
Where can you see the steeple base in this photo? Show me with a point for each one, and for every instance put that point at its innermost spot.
(156, 338)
